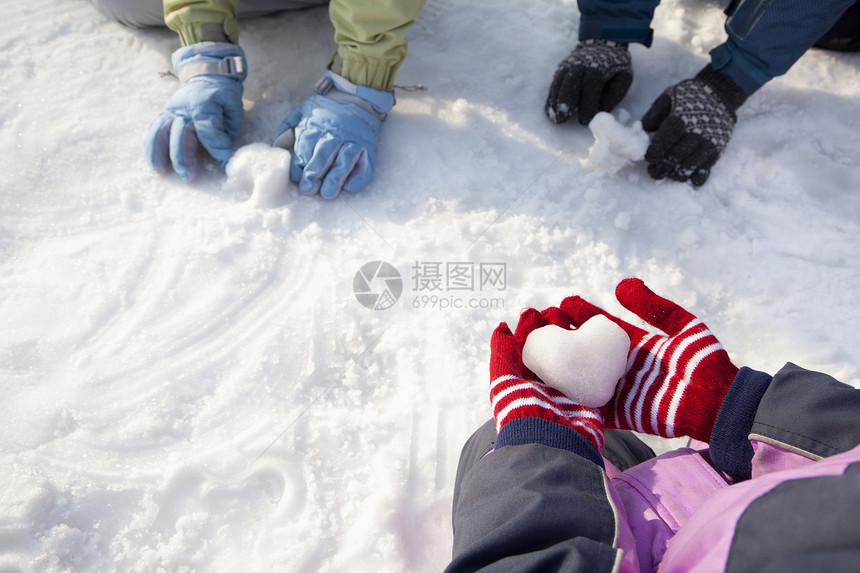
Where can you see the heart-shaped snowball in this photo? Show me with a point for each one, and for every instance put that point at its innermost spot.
(585, 364)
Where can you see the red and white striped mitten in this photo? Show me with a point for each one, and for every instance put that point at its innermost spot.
(516, 393)
(676, 379)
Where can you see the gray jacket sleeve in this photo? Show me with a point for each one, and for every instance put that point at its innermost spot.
(810, 412)
(533, 507)
(810, 522)
(798, 410)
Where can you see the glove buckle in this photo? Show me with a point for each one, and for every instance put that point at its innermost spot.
(325, 87)
(231, 67)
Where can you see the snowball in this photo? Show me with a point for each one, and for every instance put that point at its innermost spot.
(615, 145)
(262, 170)
(585, 364)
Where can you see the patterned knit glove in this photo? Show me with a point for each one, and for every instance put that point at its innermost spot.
(594, 77)
(522, 404)
(676, 380)
(692, 123)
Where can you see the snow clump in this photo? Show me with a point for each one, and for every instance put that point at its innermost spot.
(615, 145)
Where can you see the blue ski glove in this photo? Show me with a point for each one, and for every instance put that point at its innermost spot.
(206, 110)
(333, 136)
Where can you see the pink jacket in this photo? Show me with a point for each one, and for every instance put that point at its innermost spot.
(777, 489)
(679, 514)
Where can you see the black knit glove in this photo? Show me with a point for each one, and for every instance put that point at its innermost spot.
(692, 122)
(594, 77)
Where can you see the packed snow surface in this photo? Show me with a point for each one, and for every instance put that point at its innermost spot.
(585, 364)
(189, 382)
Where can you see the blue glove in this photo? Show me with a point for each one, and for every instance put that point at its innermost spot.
(206, 110)
(333, 136)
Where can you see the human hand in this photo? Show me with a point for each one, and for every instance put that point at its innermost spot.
(691, 123)
(516, 393)
(594, 77)
(333, 136)
(676, 379)
(206, 111)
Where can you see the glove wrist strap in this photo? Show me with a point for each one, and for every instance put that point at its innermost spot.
(210, 59)
(231, 67)
(332, 85)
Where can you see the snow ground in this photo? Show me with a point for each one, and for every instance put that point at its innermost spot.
(189, 383)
